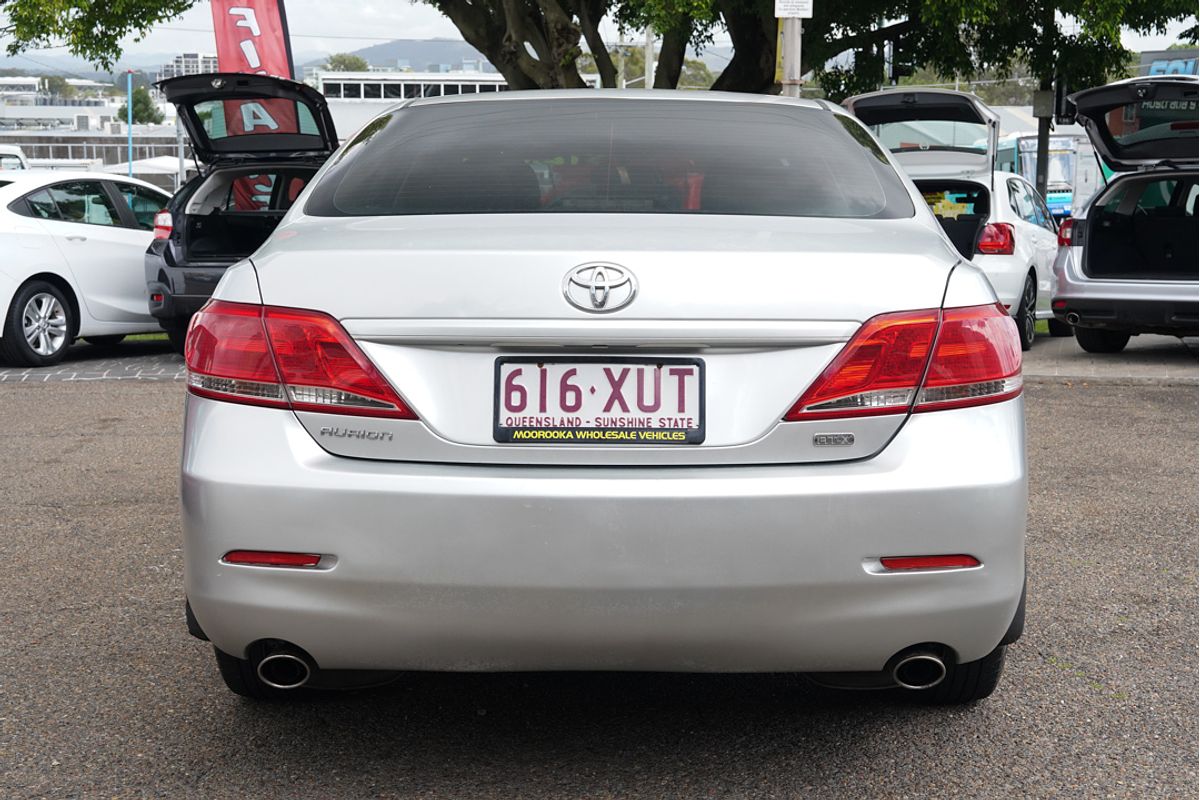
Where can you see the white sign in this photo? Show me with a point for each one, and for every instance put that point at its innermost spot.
(785, 9)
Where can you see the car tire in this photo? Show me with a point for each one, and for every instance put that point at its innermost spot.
(176, 333)
(1101, 340)
(1060, 329)
(1026, 317)
(242, 679)
(46, 307)
(969, 682)
(105, 341)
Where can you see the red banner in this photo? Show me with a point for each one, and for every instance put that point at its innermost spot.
(252, 37)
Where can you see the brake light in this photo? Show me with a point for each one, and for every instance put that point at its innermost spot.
(1065, 231)
(162, 225)
(877, 372)
(977, 360)
(888, 368)
(996, 239)
(284, 358)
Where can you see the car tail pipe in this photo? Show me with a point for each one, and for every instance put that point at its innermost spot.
(919, 667)
(284, 666)
(1072, 318)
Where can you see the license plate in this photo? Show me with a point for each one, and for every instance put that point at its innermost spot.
(599, 400)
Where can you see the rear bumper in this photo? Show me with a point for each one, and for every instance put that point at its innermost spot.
(183, 289)
(1172, 318)
(446, 567)
(1170, 308)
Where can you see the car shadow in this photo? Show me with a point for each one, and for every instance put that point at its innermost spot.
(606, 733)
(82, 351)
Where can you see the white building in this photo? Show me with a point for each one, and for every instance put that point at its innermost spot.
(187, 64)
(19, 88)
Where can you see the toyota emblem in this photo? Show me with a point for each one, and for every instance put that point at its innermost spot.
(599, 287)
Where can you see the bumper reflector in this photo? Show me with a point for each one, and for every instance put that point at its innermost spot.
(268, 558)
(901, 563)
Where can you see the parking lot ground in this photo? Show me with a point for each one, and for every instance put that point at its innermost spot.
(136, 360)
(1146, 358)
(103, 693)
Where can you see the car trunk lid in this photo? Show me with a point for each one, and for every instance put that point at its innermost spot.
(234, 116)
(1142, 123)
(442, 303)
(932, 133)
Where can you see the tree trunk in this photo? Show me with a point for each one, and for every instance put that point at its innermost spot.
(753, 32)
(590, 12)
(670, 58)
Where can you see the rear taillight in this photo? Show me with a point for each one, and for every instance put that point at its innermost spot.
(284, 358)
(1064, 232)
(877, 372)
(996, 239)
(977, 360)
(162, 225)
(887, 367)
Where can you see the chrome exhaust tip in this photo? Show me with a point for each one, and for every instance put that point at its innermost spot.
(284, 670)
(1072, 318)
(919, 670)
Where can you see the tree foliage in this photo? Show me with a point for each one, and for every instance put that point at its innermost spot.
(145, 112)
(346, 62)
(538, 43)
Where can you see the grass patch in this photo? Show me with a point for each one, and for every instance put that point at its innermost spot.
(1042, 326)
(146, 337)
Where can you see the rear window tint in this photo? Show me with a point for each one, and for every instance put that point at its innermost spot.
(609, 155)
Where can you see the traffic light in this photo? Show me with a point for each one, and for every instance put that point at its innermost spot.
(1064, 109)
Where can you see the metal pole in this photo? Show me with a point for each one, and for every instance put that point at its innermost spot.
(649, 84)
(621, 60)
(129, 115)
(791, 56)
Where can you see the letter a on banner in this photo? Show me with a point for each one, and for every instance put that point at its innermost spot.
(252, 37)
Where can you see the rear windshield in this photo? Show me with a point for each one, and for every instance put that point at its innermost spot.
(610, 155)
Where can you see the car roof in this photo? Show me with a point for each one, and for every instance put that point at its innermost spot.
(11, 148)
(28, 179)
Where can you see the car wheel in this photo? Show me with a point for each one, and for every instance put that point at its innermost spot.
(1099, 340)
(105, 341)
(1059, 328)
(969, 682)
(37, 330)
(176, 333)
(1026, 317)
(241, 678)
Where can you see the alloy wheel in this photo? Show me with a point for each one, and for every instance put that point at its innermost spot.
(1029, 305)
(44, 322)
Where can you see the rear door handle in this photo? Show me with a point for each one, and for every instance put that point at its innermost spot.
(76, 238)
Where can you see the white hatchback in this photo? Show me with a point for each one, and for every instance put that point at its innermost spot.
(946, 142)
(74, 246)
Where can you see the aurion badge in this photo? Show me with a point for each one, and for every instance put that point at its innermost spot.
(599, 287)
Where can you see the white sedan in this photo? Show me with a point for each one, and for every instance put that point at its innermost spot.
(74, 244)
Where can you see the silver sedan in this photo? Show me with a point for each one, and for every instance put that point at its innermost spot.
(599, 380)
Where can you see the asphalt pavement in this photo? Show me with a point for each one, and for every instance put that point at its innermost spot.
(103, 693)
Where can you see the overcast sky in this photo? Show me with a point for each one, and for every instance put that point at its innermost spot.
(320, 27)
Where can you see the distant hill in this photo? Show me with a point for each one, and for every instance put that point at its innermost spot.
(419, 53)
